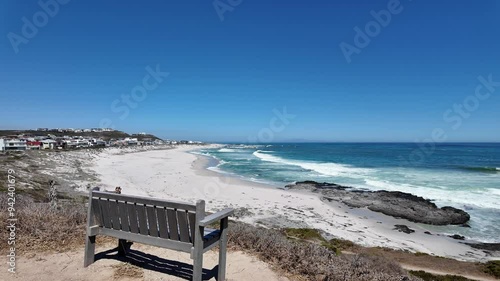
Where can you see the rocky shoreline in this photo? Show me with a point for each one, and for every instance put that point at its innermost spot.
(392, 203)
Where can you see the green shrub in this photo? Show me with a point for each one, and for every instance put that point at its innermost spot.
(426, 276)
(304, 233)
(493, 268)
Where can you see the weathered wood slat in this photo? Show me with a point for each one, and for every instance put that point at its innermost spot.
(141, 217)
(173, 230)
(145, 200)
(113, 211)
(144, 239)
(96, 210)
(152, 221)
(183, 225)
(106, 217)
(123, 214)
(132, 216)
(192, 225)
(162, 222)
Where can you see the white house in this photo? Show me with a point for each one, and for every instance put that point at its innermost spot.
(14, 144)
(48, 144)
(2, 145)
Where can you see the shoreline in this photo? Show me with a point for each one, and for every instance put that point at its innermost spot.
(179, 174)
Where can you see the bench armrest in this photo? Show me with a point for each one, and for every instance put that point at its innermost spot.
(215, 217)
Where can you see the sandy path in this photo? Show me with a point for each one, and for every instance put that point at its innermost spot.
(162, 264)
(177, 174)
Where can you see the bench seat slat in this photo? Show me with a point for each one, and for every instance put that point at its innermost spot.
(173, 230)
(122, 211)
(96, 210)
(192, 225)
(162, 222)
(106, 216)
(183, 225)
(115, 218)
(141, 216)
(132, 215)
(152, 221)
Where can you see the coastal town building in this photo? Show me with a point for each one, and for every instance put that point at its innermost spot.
(48, 144)
(49, 139)
(33, 144)
(14, 144)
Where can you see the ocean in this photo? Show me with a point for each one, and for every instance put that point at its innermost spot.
(461, 175)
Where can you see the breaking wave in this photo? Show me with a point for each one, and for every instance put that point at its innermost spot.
(329, 169)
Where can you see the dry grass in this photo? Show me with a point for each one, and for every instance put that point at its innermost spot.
(41, 228)
(310, 260)
(127, 270)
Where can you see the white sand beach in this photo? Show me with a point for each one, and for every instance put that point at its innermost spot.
(178, 174)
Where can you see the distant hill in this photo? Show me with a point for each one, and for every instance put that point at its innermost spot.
(104, 135)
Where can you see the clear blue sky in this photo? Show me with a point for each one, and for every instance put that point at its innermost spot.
(226, 77)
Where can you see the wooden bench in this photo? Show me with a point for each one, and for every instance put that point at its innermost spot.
(167, 224)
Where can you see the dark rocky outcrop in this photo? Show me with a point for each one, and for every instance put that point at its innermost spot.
(403, 228)
(457, 237)
(392, 203)
(493, 247)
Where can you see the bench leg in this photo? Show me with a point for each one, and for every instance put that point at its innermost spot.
(122, 247)
(221, 271)
(89, 251)
(198, 267)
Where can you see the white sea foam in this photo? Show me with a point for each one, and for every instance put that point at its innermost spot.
(494, 191)
(255, 146)
(201, 153)
(227, 150)
(329, 169)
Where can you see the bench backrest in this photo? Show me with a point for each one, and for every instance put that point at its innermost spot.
(146, 216)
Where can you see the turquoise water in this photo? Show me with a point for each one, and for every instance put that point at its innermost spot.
(465, 176)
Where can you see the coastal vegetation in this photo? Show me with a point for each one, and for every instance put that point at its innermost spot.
(493, 268)
(426, 276)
